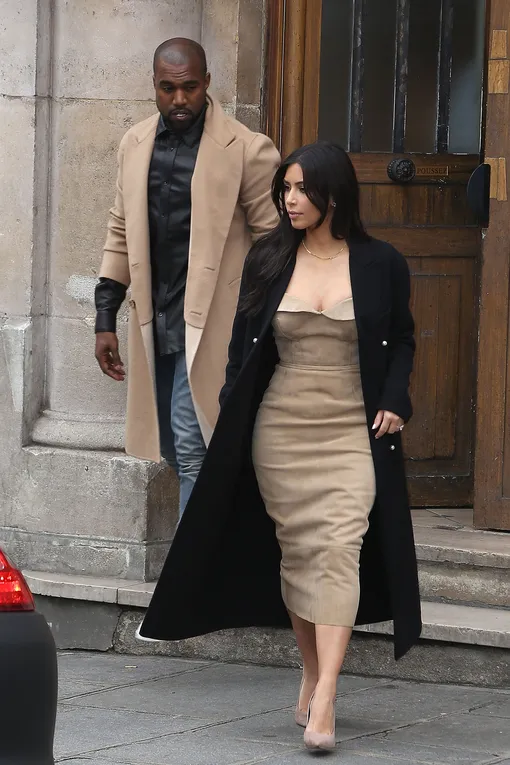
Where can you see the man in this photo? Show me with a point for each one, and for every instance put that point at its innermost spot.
(193, 192)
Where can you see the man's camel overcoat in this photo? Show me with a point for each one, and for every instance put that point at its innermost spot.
(231, 206)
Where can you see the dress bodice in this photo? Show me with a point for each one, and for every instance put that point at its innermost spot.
(306, 337)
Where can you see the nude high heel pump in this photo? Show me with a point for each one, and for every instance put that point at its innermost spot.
(314, 740)
(300, 717)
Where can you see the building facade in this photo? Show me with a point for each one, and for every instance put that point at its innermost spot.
(418, 90)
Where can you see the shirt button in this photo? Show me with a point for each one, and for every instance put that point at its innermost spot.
(392, 447)
(385, 342)
(160, 313)
(255, 339)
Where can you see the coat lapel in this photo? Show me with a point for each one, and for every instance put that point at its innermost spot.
(214, 195)
(275, 295)
(365, 280)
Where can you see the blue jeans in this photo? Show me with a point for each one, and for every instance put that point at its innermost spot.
(182, 445)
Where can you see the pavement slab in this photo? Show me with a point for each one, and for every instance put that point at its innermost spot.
(473, 733)
(201, 748)
(383, 745)
(82, 730)
(124, 710)
(83, 672)
(499, 708)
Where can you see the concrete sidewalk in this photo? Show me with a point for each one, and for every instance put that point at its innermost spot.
(163, 711)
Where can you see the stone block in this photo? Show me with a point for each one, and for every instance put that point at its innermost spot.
(270, 647)
(464, 584)
(18, 37)
(21, 388)
(249, 65)
(137, 596)
(368, 655)
(249, 116)
(79, 624)
(220, 28)
(73, 588)
(17, 117)
(22, 352)
(91, 513)
(76, 385)
(456, 623)
(117, 42)
(429, 661)
(86, 137)
(91, 494)
(84, 555)
(482, 548)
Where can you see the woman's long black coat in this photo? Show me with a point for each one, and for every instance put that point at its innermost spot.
(223, 566)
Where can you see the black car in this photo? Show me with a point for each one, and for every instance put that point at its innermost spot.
(28, 675)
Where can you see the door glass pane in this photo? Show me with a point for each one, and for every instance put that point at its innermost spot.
(335, 71)
(379, 35)
(357, 99)
(422, 91)
(467, 76)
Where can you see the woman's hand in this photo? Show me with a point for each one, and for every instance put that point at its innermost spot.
(387, 422)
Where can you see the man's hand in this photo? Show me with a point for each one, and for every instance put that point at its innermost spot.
(107, 355)
(387, 422)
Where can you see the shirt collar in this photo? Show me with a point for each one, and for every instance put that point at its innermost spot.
(191, 136)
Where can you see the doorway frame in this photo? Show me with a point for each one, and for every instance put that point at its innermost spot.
(292, 46)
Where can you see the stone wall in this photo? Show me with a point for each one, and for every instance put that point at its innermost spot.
(75, 76)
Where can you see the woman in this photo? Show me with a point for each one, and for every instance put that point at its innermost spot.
(300, 511)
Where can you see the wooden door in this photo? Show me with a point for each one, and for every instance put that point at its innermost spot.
(393, 80)
(492, 478)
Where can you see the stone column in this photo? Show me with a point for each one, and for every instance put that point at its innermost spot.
(74, 502)
(233, 33)
(75, 76)
(24, 159)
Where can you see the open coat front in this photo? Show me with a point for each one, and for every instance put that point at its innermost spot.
(223, 568)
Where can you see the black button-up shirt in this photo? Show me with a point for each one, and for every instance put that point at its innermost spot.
(169, 201)
(171, 170)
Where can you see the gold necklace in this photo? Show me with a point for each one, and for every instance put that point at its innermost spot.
(332, 257)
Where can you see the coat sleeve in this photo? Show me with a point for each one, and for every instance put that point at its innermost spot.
(395, 397)
(115, 260)
(260, 164)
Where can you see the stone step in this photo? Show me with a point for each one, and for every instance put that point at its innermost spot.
(452, 623)
(464, 566)
(460, 643)
(446, 622)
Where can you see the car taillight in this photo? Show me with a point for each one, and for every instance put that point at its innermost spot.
(14, 592)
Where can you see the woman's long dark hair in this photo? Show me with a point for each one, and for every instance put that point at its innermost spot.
(328, 175)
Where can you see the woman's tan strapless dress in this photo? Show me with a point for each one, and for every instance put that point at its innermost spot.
(313, 462)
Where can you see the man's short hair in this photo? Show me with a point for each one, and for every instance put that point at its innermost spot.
(179, 50)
